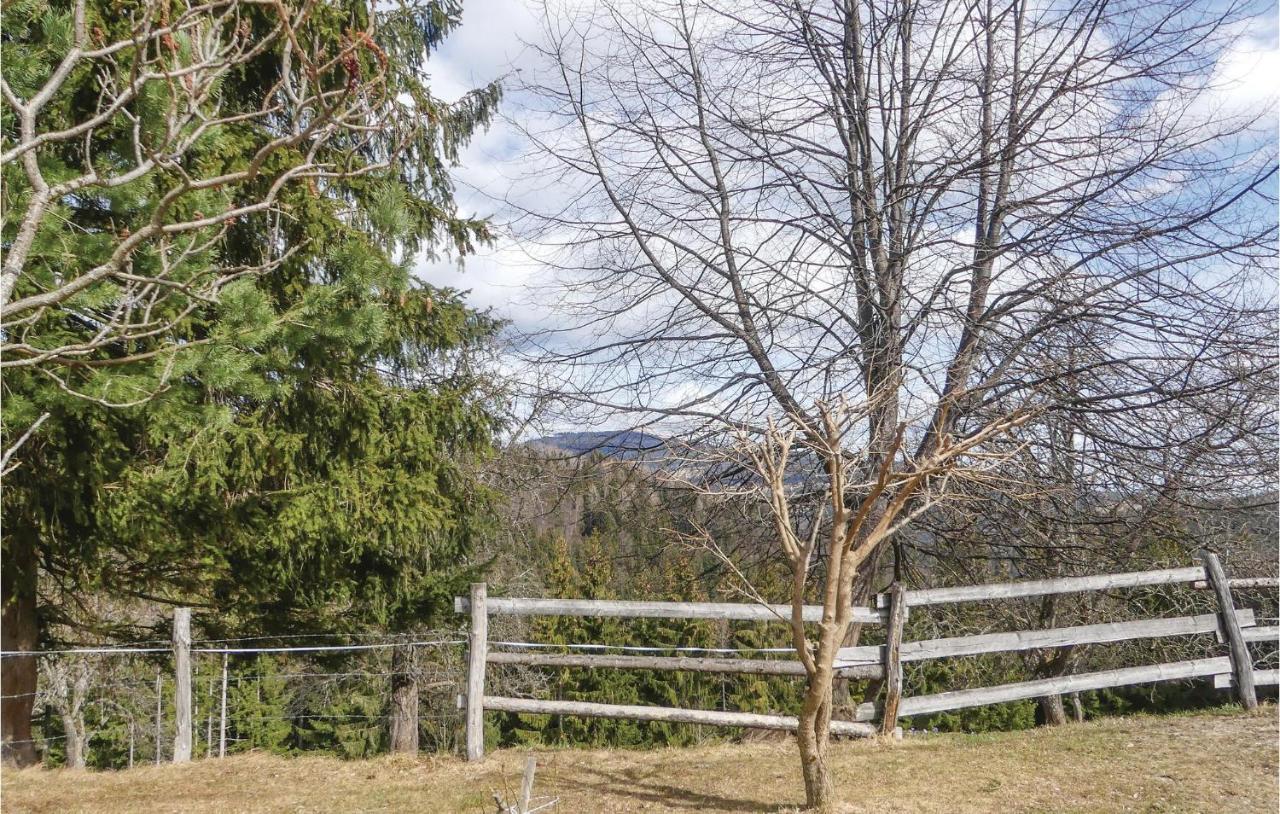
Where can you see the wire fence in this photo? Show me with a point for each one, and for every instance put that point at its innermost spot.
(112, 706)
(280, 693)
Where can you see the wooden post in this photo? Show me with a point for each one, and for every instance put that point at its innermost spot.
(1241, 661)
(893, 659)
(477, 653)
(526, 787)
(222, 718)
(182, 684)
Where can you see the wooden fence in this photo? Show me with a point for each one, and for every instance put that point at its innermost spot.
(1234, 627)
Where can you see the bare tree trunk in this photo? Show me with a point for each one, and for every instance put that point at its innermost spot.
(73, 728)
(404, 703)
(208, 731)
(1052, 663)
(74, 687)
(160, 716)
(19, 630)
(1077, 708)
(863, 588)
(1055, 714)
(813, 737)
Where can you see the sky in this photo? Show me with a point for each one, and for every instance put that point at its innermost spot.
(487, 46)
(490, 44)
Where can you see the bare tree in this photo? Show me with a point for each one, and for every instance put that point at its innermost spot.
(862, 516)
(159, 109)
(69, 683)
(761, 209)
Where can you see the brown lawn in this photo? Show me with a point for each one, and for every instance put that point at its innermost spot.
(1220, 761)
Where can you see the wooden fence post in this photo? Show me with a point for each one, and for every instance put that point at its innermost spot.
(893, 659)
(477, 653)
(182, 684)
(1241, 661)
(526, 785)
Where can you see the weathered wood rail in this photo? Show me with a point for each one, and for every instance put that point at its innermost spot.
(959, 699)
(480, 607)
(1043, 587)
(1234, 627)
(774, 667)
(1108, 632)
(730, 611)
(686, 716)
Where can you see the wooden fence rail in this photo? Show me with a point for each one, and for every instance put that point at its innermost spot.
(1262, 634)
(1260, 678)
(1234, 627)
(671, 714)
(1043, 587)
(1108, 632)
(1243, 582)
(959, 699)
(730, 611)
(775, 667)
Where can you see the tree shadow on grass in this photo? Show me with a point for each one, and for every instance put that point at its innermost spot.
(628, 784)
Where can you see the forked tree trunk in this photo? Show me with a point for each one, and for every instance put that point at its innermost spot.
(813, 736)
(863, 589)
(73, 729)
(843, 590)
(73, 690)
(19, 630)
(404, 704)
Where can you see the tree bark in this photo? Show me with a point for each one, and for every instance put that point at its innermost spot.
(19, 630)
(404, 703)
(1051, 707)
(1077, 708)
(813, 737)
(73, 728)
(1052, 663)
(863, 589)
(73, 689)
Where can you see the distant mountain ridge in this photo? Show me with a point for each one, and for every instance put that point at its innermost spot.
(620, 444)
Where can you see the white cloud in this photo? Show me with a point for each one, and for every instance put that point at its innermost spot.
(489, 45)
(514, 285)
(1245, 77)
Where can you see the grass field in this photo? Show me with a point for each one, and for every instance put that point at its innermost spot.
(1218, 761)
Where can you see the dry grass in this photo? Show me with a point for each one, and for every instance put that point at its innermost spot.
(1220, 761)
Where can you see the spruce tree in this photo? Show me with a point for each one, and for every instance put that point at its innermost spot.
(308, 464)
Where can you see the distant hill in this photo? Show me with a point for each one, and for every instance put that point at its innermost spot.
(627, 445)
(672, 458)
